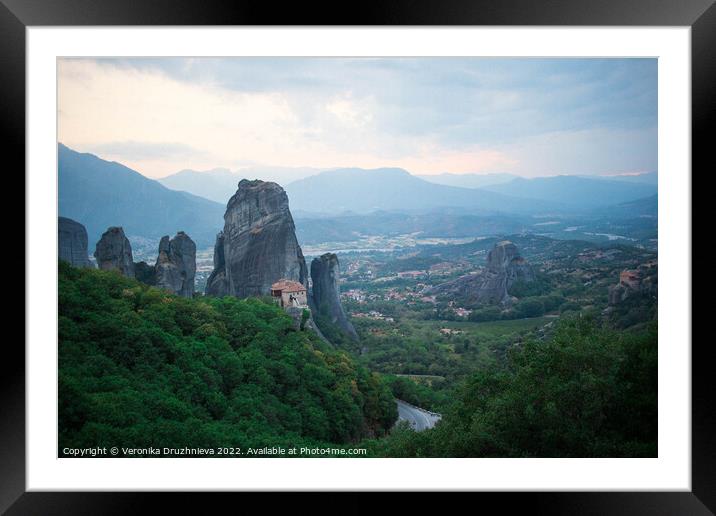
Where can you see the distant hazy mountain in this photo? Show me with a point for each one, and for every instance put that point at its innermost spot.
(575, 191)
(468, 180)
(647, 207)
(365, 191)
(99, 194)
(220, 184)
(651, 178)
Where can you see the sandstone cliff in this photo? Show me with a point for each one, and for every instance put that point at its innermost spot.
(325, 297)
(72, 242)
(176, 264)
(259, 243)
(504, 267)
(113, 252)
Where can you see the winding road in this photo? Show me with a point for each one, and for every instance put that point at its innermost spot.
(418, 418)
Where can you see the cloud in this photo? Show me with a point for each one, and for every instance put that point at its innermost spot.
(428, 115)
(146, 150)
(587, 152)
(349, 112)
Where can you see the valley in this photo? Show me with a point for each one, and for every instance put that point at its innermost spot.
(416, 316)
(384, 257)
(405, 331)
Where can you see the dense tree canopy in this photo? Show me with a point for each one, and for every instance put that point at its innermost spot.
(142, 367)
(586, 392)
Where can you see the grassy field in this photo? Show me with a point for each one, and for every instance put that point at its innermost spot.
(489, 329)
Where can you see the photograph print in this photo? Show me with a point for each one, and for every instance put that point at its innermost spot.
(357, 257)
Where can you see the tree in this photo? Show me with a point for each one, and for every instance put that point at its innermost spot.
(143, 367)
(586, 392)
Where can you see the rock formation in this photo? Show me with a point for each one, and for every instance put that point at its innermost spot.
(618, 293)
(216, 284)
(176, 264)
(325, 299)
(643, 280)
(504, 267)
(259, 243)
(113, 252)
(72, 242)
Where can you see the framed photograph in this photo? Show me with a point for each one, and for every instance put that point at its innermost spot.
(435, 250)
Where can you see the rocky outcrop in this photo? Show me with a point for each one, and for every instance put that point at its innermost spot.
(216, 284)
(72, 242)
(640, 281)
(504, 267)
(325, 297)
(259, 243)
(298, 315)
(176, 264)
(113, 252)
(618, 293)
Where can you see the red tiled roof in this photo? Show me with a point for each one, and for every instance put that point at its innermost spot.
(288, 286)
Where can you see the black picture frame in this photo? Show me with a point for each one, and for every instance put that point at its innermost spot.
(700, 15)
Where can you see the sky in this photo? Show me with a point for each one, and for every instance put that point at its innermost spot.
(530, 117)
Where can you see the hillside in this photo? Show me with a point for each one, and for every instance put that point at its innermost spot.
(142, 367)
(647, 207)
(99, 194)
(586, 391)
(365, 191)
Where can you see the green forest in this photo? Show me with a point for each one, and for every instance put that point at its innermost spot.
(141, 367)
(585, 392)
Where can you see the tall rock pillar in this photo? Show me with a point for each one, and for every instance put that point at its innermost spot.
(114, 252)
(325, 275)
(72, 242)
(258, 241)
(176, 264)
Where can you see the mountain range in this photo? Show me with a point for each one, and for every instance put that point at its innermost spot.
(339, 205)
(490, 179)
(574, 191)
(354, 189)
(219, 184)
(368, 190)
(651, 178)
(100, 194)
(644, 208)
(468, 180)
